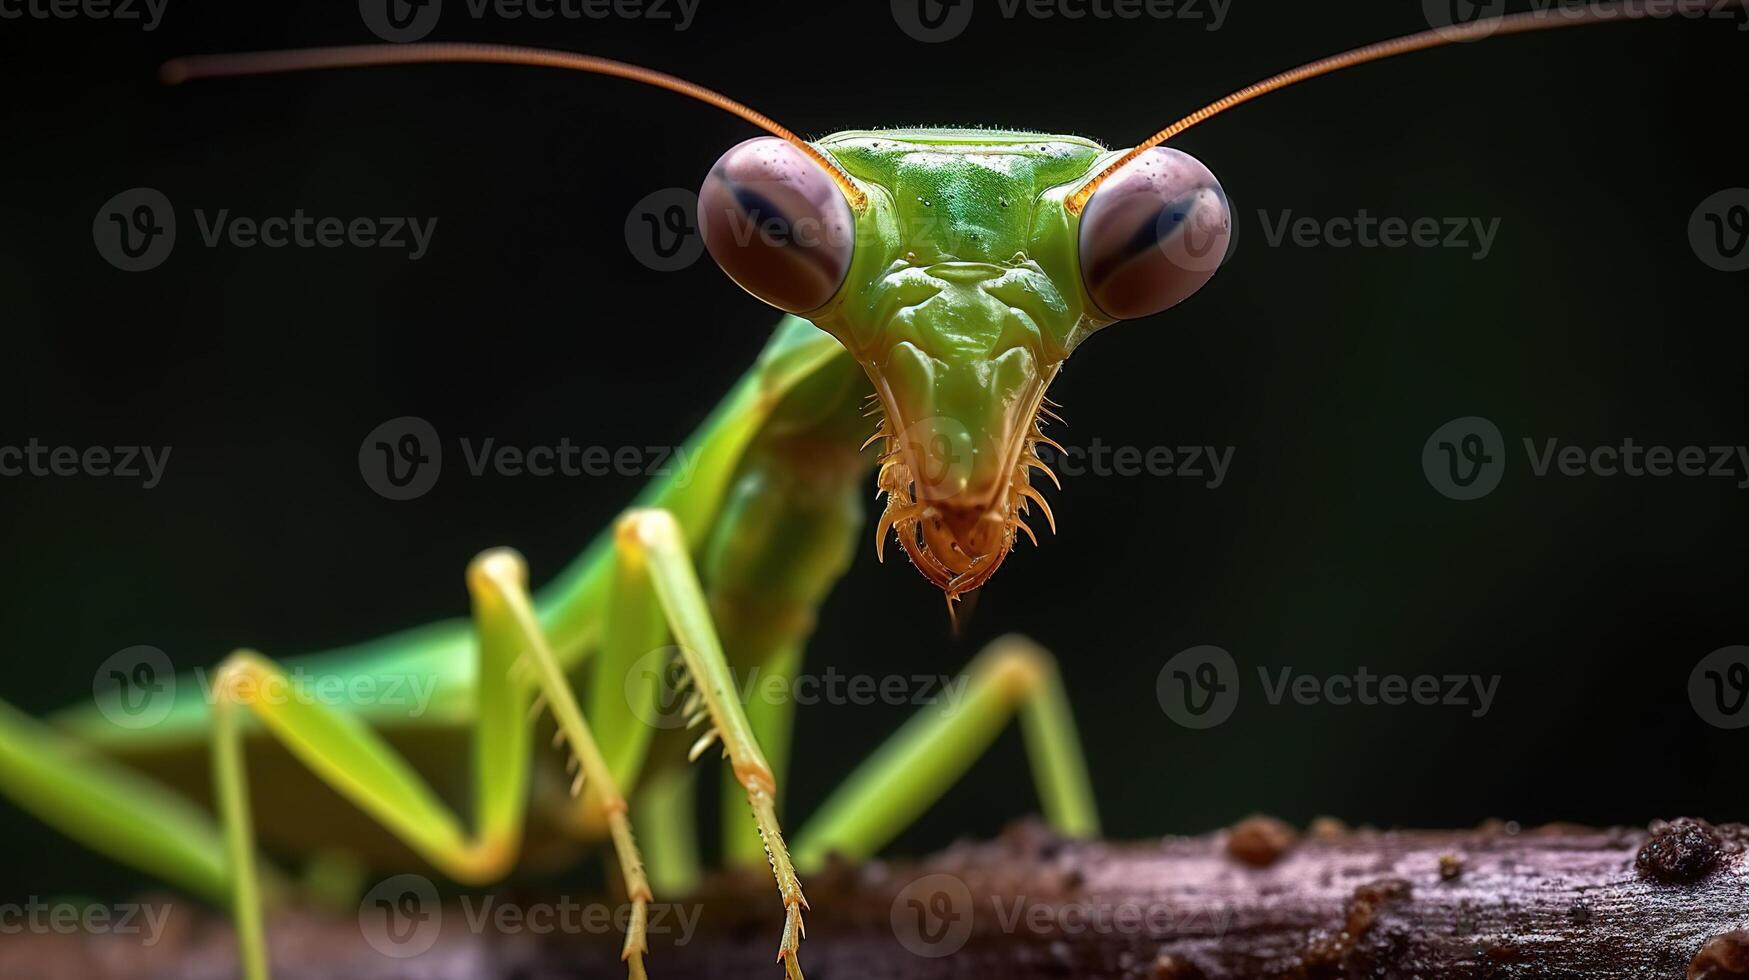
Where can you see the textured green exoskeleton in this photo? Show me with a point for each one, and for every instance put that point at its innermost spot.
(942, 277)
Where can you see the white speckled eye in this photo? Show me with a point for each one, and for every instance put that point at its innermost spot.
(1152, 234)
(777, 224)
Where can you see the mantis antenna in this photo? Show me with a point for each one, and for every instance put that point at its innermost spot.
(179, 70)
(1533, 20)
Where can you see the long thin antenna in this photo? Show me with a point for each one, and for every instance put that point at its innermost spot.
(179, 70)
(1532, 20)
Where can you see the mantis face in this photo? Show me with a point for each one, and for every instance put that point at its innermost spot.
(960, 285)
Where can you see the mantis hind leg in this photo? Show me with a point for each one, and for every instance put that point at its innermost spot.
(515, 662)
(108, 807)
(917, 765)
(133, 819)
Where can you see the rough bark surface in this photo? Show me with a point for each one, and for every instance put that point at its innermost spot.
(1258, 900)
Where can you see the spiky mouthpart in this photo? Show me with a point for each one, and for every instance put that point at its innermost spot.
(922, 525)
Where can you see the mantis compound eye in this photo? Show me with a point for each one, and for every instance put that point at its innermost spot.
(1152, 234)
(777, 224)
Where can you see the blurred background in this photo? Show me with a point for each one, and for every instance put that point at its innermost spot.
(1590, 317)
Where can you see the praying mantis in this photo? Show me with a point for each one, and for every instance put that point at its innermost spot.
(936, 278)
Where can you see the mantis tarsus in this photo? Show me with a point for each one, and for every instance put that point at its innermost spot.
(949, 273)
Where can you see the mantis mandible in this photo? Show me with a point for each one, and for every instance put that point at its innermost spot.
(934, 279)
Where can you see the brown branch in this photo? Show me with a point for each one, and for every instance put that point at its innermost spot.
(1256, 901)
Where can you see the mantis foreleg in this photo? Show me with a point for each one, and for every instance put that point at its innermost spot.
(656, 538)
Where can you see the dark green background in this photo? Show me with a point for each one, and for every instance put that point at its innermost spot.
(1592, 320)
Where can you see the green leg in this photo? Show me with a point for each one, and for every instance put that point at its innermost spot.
(109, 807)
(622, 670)
(666, 816)
(356, 761)
(658, 537)
(772, 721)
(911, 771)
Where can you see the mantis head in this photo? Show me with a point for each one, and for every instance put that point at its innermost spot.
(960, 283)
(959, 267)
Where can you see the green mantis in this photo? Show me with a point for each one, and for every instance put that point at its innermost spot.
(936, 278)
